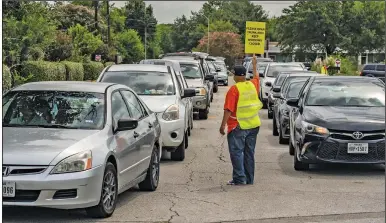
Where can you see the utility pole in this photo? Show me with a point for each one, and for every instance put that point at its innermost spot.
(108, 22)
(207, 49)
(96, 14)
(145, 41)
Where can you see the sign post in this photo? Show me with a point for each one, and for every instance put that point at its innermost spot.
(255, 37)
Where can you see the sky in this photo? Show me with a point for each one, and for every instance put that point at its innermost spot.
(167, 11)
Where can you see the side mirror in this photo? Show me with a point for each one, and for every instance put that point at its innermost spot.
(276, 89)
(209, 77)
(261, 74)
(250, 72)
(275, 95)
(268, 84)
(126, 124)
(293, 102)
(218, 70)
(189, 92)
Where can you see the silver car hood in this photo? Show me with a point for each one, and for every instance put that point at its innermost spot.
(194, 83)
(222, 74)
(38, 146)
(159, 103)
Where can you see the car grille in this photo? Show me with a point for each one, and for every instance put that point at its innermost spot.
(349, 135)
(23, 196)
(336, 151)
(65, 194)
(22, 170)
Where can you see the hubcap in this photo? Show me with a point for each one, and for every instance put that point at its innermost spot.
(155, 169)
(109, 191)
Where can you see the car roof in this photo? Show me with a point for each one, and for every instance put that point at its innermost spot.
(299, 74)
(175, 63)
(71, 86)
(189, 62)
(344, 78)
(138, 67)
(281, 64)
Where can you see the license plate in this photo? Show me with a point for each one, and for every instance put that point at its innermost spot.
(9, 189)
(360, 148)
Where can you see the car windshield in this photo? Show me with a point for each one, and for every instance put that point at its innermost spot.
(273, 71)
(54, 109)
(288, 80)
(191, 71)
(143, 82)
(346, 93)
(280, 79)
(222, 66)
(294, 89)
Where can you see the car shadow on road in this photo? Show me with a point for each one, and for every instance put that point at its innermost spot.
(37, 214)
(338, 170)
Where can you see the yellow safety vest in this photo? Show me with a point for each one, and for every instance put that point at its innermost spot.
(323, 70)
(248, 106)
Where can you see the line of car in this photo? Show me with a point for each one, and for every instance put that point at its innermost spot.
(73, 145)
(327, 119)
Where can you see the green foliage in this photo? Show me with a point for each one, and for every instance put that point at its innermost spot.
(92, 70)
(129, 45)
(61, 49)
(107, 52)
(7, 78)
(84, 42)
(74, 71)
(109, 64)
(164, 33)
(42, 71)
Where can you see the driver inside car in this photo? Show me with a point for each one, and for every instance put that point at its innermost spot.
(28, 116)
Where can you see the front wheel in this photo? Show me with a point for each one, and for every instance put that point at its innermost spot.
(298, 165)
(215, 88)
(270, 114)
(203, 114)
(274, 127)
(179, 154)
(291, 148)
(109, 194)
(152, 176)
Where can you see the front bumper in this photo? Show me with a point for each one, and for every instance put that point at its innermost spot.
(316, 149)
(172, 133)
(39, 189)
(200, 102)
(223, 80)
(285, 127)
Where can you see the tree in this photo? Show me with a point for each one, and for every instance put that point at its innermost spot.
(224, 44)
(271, 29)
(164, 31)
(129, 46)
(84, 43)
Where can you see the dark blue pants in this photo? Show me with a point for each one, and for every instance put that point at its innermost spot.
(241, 145)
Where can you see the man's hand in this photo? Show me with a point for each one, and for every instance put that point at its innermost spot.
(254, 60)
(222, 130)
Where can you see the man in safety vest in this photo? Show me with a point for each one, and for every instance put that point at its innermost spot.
(241, 115)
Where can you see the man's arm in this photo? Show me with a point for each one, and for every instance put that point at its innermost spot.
(256, 78)
(225, 117)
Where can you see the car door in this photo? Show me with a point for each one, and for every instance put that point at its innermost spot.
(184, 101)
(145, 130)
(125, 141)
(190, 99)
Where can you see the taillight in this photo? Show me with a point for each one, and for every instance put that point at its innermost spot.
(361, 73)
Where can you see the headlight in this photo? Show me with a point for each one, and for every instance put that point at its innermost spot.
(171, 113)
(75, 163)
(311, 128)
(201, 91)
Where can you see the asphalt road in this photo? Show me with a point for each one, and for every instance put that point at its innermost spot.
(195, 190)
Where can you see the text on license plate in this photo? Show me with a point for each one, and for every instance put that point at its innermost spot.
(9, 189)
(361, 148)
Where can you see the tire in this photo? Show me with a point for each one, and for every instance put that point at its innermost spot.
(203, 114)
(265, 106)
(226, 84)
(188, 131)
(291, 148)
(179, 154)
(274, 127)
(186, 140)
(298, 165)
(281, 139)
(152, 176)
(100, 210)
(215, 88)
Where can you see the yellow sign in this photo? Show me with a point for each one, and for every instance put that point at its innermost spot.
(254, 37)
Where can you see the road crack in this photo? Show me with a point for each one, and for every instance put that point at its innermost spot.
(191, 199)
(175, 213)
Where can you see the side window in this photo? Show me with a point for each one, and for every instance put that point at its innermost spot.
(118, 107)
(135, 107)
(381, 67)
(369, 67)
(180, 88)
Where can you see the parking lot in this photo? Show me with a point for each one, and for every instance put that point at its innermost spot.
(195, 190)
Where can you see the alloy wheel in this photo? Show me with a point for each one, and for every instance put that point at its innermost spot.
(109, 191)
(155, 169)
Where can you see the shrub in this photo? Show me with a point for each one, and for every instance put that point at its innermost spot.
(74, 71)
(42, 71)
(109, 64)
(7, 79)
(92, 70)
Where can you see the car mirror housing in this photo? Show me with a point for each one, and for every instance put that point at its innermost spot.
(126, 124)
(261, 74)
(293, 102)
(209, 77)
(189, 92)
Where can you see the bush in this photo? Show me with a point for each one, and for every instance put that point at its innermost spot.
(92, 70)
(74, 71)
(109, 64)
(42, 71)
(7, 79)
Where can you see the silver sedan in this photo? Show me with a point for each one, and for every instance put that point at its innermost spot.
(73, 145)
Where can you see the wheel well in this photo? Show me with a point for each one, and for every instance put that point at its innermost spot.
(157, 144)
(112, 160)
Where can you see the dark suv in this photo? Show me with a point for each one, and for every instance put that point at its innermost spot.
(374, 70)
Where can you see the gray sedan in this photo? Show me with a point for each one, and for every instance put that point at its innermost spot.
(73, 145)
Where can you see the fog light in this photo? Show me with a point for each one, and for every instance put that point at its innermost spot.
(173, 135)
(198, 103)
(305, 146)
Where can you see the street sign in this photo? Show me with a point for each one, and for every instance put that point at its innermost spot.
(98, 58)
(337, 63)
(254, 37)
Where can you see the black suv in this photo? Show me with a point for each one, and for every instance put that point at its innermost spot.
(374, 70)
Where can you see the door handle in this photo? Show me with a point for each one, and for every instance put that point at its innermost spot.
(150, 126)
(136, 134)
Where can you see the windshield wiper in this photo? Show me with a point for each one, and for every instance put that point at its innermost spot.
(40, 126)
(191, 77)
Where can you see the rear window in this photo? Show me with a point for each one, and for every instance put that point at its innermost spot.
(273, 71)
(381, 67)
(280, 79)
(369, 67)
